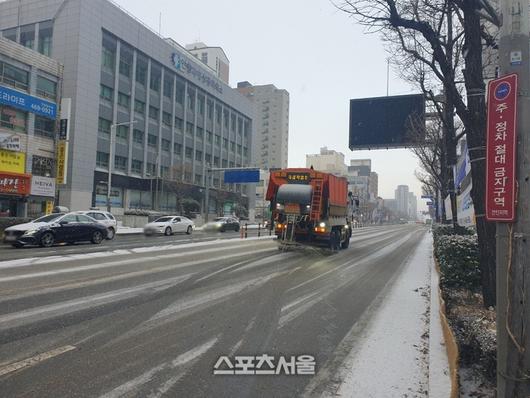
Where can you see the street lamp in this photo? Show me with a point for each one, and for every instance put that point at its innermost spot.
(111, 157)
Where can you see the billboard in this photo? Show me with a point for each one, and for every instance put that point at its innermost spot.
(241, 176)
(385, 122)
(501, 149)
(27, 103)
(12, 162)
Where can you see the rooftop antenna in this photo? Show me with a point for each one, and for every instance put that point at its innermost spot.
(160, 24)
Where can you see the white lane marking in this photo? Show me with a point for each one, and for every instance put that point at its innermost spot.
(119, 263)
(189, 356)
(150, 249)
(264, 261)
(26, 363)
(28, 316)
(240, 342)
(221, 270)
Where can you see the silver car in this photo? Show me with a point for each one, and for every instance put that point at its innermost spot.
(105, 218)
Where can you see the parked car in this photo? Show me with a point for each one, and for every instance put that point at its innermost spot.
(169, 225)
(105, 218)
(56, 228)
(223, 224)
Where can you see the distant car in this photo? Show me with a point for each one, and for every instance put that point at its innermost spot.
(56, 228)
(105, 218)
(169, 225)
(223, 224)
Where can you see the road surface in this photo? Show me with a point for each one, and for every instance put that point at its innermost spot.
(142, 320)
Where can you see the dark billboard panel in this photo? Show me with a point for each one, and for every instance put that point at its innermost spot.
(385, 122)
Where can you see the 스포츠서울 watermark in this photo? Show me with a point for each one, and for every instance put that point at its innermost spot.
(265, 365)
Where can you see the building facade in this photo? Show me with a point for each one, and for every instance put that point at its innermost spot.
(271, 124)
(142, 106)
(213, 57)
(402, 200)
(29, 111)
(413, 206)
(328, 161)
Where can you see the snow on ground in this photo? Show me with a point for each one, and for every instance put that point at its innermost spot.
(391, 357)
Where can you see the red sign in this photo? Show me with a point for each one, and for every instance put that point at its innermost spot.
(501, 149)
(15, 184)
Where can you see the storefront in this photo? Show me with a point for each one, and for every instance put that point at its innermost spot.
(14, 190)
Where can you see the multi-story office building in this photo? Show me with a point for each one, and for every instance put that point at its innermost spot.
(327, 160)
(214, 57)
(271, 124)
(374, 185)
(29, 110)
(402, 200)
(413, 206)
(170, 115)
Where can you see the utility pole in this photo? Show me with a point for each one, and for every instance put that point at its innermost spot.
(513, 249)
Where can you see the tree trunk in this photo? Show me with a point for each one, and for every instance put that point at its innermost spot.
(476, 135)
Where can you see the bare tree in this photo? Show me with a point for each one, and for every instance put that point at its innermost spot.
(422, 28)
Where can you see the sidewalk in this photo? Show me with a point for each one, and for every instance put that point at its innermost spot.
(401, 353)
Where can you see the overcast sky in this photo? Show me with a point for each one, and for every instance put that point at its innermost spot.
(307, 47)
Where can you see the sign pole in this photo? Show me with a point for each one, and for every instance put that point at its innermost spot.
(513, 239)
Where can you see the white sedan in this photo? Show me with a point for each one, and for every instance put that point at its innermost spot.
(169, 225)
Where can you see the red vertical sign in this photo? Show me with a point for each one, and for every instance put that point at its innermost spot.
(501, 149)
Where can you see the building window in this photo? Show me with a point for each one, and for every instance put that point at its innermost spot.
(152, 140)
(13, 119)
(239, 149)
(166, 145)
(198, 156)
(217, 140)
(156, 76)
(151, 169)
(245, 151)
(139, 107)
(209, 137)
(107, 58)
(204, 58)
(168, 85)
(44, 127)
(46, 88)
(120, 163)
(179, 95)
(178, 124)
(166, 119)
(200, 104)
(189, 129)
(136, 166)
(189, 152)
(124, 100)
(233, 126)
(225, 119)
(126, 61)
(216, 161)
(218, 114)
(138, 137)
(45, 38)
(27, 36)
(191, 100)
(13, 76)
(232, 146)
(102, 160)
(153, 113)
(198, 179)
(177, 149)
(208, 158)
(104, 128)
(141, 71)
(122, 134)
(10, 34)
(200, 133)
(225, 163)
(225, 143)
(105, 93)
(187, 176)
(209, 110)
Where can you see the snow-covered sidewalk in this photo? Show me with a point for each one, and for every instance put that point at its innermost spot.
(401, 352)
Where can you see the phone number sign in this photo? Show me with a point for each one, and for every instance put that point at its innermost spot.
(501, 149)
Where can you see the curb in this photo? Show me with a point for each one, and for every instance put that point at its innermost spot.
(448, 336)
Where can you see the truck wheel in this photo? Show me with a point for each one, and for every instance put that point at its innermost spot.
(346, 243)
(334, 241)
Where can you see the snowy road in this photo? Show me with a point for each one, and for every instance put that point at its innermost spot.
(153, 321)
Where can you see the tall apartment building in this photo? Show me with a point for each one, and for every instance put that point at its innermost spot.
(170, 115)
(213, 57)
(413, 206)
(30, 86)
(271, 124)
(402, 200)
(327, 160)
(374, 185)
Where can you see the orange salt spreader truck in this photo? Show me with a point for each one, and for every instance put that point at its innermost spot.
(310, 207)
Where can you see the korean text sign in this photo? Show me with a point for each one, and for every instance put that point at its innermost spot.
(501, 149)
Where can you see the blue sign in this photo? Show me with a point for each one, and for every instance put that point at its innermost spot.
(427, 197)
(28, 103)
(502, 91)
(241, 176)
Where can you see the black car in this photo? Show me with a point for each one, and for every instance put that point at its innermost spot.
(223, 224)
(66, 228)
